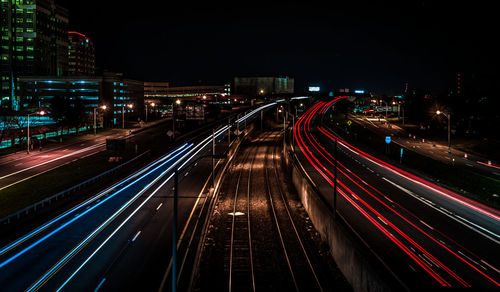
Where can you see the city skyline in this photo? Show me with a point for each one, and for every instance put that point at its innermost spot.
(376, 47)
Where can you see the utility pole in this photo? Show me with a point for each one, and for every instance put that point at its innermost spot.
(335, 182)
(95, 127)
(261, 118)
(228, 131)
(284, 134)
(449, 130)
(213, 154)
(238, 126)
(29, 134)
(173, 120)
(403, 113)
(174, 231)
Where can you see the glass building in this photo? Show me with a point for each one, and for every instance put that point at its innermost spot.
(34, 41)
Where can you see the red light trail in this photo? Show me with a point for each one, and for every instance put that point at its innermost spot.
(302, 127)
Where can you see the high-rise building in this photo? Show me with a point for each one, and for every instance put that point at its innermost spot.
(34, 41)
(81, 55)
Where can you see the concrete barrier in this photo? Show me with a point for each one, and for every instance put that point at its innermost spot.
(363, 269)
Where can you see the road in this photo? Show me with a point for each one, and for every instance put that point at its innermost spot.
(427, 236)
(431, 149)
(119, 239)
(19, 167)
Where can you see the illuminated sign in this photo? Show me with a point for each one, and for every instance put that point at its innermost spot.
(359, 91)
(314, 88)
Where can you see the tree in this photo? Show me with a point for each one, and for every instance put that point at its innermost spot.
(345, 107)
(68, 113)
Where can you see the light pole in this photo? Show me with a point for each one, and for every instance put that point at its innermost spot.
(335, 182)
(175, 213)
(178, 102)
(152, 105)
(448, 115)
(29, 139)
(386, 106)
(95, 118)
(123, 113)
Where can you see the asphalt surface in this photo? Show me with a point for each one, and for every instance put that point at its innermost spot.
(427, 236)
(119, 239)
(432, 149)
(20, 166)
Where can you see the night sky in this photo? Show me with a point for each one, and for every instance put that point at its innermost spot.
(376, 46)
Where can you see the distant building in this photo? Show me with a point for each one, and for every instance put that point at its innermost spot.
(112, 90)
(38, 91)
(155, 90)
(34, 42)
(81, 55)
(162, 94)
(263, 86)
(119, 92)
(193, 91)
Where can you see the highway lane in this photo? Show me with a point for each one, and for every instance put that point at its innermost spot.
(435, 151)
(51, 256)
(61, 240)
(20, 169)
(429, 246)
(23, 167)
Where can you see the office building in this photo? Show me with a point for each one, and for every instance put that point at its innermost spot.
(120, 92)
(263, 86)
(34, 41)
(38, 91)
(161, 94)
(112, 90)
(81, 55)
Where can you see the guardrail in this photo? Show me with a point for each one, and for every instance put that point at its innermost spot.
(73, 189)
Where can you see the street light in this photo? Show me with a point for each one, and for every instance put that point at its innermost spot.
(178, 102)
(152, 105)
(175, 211)
(29, 139)
(123, 113)
(448, 115)
(95, 126)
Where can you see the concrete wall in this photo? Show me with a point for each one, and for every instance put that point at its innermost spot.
(357, 262)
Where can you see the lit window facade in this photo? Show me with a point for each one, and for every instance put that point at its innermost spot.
(81, 55)
(33, 41)
(112, 90)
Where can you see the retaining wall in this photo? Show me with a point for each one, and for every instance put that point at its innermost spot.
(359, 264)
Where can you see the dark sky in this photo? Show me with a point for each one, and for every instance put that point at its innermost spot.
(376, 45)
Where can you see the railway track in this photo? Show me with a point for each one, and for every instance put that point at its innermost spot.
(301, 269)
(254, 243)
